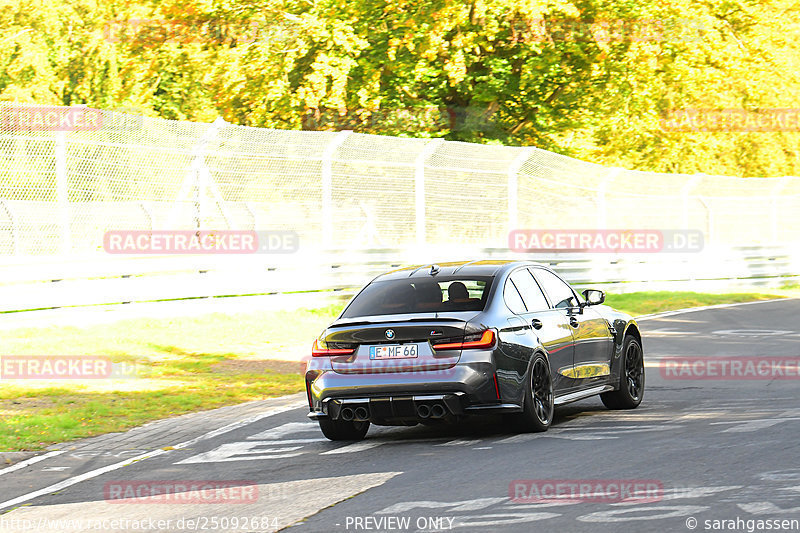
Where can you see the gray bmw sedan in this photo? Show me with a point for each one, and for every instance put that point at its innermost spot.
(439, 343)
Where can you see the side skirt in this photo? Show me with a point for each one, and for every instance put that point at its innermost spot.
(580, 395)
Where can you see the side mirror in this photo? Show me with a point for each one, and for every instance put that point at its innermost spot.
(594, 296)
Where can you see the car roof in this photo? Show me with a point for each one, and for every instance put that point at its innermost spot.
(481, 267)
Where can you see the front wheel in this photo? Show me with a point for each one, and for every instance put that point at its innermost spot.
(343, 429)
(538, 406)
(631, 378)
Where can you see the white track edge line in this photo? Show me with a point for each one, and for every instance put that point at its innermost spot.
(110, 468)
(30, 461)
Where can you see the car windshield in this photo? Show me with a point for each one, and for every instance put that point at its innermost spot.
(395, 297)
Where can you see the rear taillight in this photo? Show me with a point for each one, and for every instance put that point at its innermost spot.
(486, 340)
(321, 349)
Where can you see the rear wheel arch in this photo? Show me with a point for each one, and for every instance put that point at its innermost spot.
(537, 351)
(543, 353)
(537, 413)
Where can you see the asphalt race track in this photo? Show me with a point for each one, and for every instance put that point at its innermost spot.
(706, 449)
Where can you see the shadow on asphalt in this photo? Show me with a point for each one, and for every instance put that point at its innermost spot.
(477, 427)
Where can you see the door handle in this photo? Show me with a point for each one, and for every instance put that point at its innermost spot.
(536, 323)
(573, 322)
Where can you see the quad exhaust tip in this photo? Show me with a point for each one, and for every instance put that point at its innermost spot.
(359, 413)
(436, 410)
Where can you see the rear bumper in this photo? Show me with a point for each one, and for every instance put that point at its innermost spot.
(390, 407)
(466, 388)
(399, 407)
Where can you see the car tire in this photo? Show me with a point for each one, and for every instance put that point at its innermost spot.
(630, 389)
(538, 403)
(343, 429)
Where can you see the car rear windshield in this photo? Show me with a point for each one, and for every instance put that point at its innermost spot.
(395, 297)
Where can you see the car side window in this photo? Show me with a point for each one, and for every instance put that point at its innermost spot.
(513, 299)
(529, 290)
(557, 290)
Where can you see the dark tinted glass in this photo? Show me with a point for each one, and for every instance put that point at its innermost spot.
(394, 297)
(513, 299)
(557, 290)
(530, 291)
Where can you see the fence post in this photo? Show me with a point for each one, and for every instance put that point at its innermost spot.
(709, 222)
(62, 192)
(602, 208)
(774, 211)
(513, 188)
(327, 186)
(685, 190)
(148, 214)
(419, 187)
(13, 221)
(252, 214)
(203, 175)
(197, 216)
(197, 177)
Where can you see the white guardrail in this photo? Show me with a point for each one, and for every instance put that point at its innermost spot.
(28, 283)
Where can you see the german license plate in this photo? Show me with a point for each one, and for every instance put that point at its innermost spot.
(393, 351)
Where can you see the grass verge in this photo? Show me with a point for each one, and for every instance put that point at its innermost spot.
(178, 366)
(646, 303)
